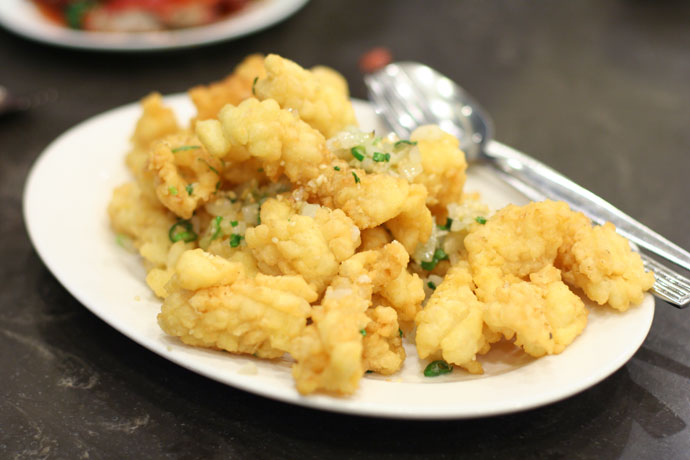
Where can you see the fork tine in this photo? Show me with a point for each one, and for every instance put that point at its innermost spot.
(669, 285)
(399, 99)
(382, 99)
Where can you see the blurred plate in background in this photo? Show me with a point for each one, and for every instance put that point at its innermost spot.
(23, 18)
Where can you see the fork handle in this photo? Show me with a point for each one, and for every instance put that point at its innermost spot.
(538, 181)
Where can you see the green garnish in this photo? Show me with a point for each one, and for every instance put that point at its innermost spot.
(377, 139)
(480, 220)
(260, 170)
(404, 142)
(337, 168)
(447, 225)
(217, 186)
(190, 189)
(182, 231)
(185, 147)
(235, 240)
(216, 225)
(436, 368)
(381, 157)
(356, 178)
(254, 85)
(358, 152)
(428, 266)
(234, 223)
(400, 333)
(76, 12)
(209, 166)
(122, 240)
(232, 200)
(363, 332)
(369, 372)
(172, 191)
(431, 285)
(439, 255)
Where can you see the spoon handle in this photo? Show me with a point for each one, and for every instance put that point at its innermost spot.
(538, 181)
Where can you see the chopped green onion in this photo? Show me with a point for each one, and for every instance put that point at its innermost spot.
(186, 233)
(122, 240)
(356, 178)
(358, 152)
(400, 333)
(369, 372)
(480, 220)
(439, 255)
(209, 166)
(232, 200)
(337, 168)
(404, 142)
(254, 85)
(428, 266)
(363, 332)
(431, 285)
(377, 139)
(216, 225)
(235, 240)
(172, 191)
(185, 147)
(75, 13)
(190, 189)
(381, 157)
(217, 186)
(234, 223)
(260, 170)
(436, 368)
(449, 222)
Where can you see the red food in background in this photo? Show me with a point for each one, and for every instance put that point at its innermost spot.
(375, 59)
(137, 15)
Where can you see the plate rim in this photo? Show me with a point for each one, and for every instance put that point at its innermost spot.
(322, 402)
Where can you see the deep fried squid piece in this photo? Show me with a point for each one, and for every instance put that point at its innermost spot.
(601, 263)
(319, 98)
(277, 138)
(374, 238)
(144, 220)
(543, 314)
(311, 243)
(260, 316)
(373, 199)
(235, 88)
(414, 223)
(386, 270)
(329, 353)
(156, 121)
(382, 345)
(186, 175)
(451, 325)
(516, 259)
(443, 165)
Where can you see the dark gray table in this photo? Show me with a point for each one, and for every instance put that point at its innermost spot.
(600, 90)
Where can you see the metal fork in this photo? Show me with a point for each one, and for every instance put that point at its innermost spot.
(410, 94)
(669, 285)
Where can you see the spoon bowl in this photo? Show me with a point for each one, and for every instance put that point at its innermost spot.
(429, 97)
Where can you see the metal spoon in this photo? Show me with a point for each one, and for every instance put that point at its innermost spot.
(409, 94)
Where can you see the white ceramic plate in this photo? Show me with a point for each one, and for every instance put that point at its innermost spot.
(23, 18)
(67, 222)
